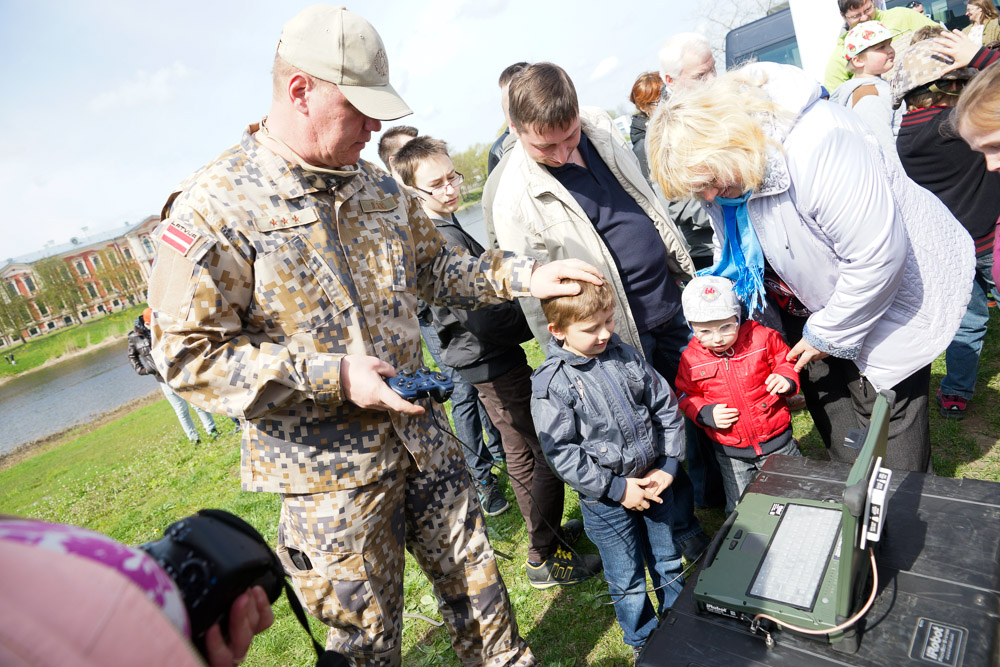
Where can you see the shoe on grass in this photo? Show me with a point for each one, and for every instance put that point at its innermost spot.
(952, 407)
(571, 531)
(636, 653)
(563, 568)
(492, 498)
(693, 547)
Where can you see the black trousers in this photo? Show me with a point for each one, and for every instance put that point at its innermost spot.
(839, 399)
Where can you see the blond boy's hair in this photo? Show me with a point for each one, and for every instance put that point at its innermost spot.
(562, 311)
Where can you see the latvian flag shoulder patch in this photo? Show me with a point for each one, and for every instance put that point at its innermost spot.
(179, 237)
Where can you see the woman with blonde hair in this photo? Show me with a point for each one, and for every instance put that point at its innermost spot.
(978, 121)
(984, 28)
(978, 114)
(869, 273)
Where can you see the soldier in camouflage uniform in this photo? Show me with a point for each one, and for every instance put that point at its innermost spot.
(284, 291)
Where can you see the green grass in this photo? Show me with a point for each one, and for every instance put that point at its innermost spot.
(68, 340)
(133, 476)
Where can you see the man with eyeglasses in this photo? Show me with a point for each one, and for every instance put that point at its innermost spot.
(899, 20)
(484, 347)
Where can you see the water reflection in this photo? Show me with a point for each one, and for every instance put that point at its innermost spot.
(67, 394)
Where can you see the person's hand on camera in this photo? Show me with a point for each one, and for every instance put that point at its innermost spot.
(250, 615)
(362, 380)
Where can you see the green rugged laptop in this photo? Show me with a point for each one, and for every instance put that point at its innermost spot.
(800, 561)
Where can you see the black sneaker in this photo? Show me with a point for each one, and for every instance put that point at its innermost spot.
(636, 654)
(571, 531)
(563, 569)
(693, 547)
(492, 498)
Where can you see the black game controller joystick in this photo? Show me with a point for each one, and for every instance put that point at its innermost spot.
(422, 383)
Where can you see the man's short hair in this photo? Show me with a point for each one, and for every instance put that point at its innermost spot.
(847, 5)
(562, 311)
(408, 158)
(673, 50)
(508, 74)
(392, 139)
(542, 98)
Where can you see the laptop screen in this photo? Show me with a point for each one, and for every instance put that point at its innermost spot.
(796, 560)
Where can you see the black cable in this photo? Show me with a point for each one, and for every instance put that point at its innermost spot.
(493, 466)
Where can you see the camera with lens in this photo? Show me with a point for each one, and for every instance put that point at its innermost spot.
(214, 557)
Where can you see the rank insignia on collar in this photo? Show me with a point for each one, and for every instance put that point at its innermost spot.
(285, 219)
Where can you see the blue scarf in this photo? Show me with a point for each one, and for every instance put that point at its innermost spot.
(742, 259)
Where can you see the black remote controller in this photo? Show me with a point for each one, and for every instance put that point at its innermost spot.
(422, 383)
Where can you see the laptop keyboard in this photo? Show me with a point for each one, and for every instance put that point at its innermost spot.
(793, 568)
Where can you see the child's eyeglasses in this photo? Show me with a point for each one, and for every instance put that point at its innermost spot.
(724, 330)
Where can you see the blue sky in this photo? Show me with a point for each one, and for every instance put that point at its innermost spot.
(109, 104)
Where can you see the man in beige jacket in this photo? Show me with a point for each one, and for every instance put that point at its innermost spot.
(572, 188)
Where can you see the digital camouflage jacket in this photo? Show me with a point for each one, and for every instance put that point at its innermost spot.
(268, 274)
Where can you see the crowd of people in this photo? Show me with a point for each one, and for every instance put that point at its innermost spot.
(761, 241)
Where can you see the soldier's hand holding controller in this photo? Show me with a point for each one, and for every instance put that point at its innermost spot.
(362, 377)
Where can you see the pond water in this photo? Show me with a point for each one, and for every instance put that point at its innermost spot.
(76, 391)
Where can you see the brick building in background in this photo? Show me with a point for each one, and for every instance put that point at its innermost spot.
(63, 285)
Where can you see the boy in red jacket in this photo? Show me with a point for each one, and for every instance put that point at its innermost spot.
(732, 381)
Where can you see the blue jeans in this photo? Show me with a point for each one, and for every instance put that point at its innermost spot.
(180, 407)
(962, 356)
(662, 346)
(631, 541)
(469, 415)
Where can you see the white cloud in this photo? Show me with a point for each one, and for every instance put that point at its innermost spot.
(604, 68)
(143, 89)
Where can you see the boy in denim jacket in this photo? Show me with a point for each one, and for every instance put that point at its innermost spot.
(610, 428)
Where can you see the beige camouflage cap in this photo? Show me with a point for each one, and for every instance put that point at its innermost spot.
(336, 45)
(921, 64)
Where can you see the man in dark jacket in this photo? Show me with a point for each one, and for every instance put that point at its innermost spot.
(139, 344)
(480, 439)
(483, 345)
